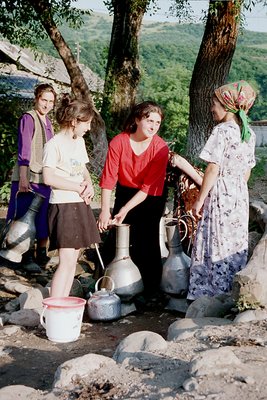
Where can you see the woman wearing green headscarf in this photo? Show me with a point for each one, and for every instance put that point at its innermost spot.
(221, 245)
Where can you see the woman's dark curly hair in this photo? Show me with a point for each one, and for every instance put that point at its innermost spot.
(140, 111)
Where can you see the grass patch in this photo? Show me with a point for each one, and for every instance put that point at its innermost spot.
(259, 170)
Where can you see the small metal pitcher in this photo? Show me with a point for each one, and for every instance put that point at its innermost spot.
(104, 305)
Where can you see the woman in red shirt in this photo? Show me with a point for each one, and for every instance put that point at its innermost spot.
(136, 164)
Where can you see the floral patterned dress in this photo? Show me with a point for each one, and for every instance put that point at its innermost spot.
(221, 243)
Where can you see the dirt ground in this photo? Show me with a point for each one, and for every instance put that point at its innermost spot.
(31, 359)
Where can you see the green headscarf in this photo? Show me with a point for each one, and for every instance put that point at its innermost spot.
(238, 97)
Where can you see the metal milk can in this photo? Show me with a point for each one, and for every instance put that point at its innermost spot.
(123, 271)
(19, 235)
(175, 274)
(104, 305)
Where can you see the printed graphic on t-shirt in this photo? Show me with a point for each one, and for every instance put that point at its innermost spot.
(76, 167)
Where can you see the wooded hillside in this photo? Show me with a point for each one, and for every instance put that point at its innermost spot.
(167, 54)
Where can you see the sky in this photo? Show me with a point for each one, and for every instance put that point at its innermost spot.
(255, 20)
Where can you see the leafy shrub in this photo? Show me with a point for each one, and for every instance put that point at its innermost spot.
(260, 168)
(10, 111)
(5, 193)
(244, 304)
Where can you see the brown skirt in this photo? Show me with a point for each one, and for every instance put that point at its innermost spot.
(71, 225)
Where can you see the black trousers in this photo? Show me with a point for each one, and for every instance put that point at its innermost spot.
(144, 249)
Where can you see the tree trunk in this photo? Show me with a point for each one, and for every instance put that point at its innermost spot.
(78, 84)
(123, 71)
(211, 69)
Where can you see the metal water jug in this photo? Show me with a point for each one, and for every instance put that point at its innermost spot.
(19, 235)
(104, 304)
(175, 274)
(125, 274)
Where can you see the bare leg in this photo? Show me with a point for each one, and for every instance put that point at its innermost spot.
(64, 275)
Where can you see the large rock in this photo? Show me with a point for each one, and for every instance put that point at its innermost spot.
(78, 368)
(33, 298)
(185, 328)
(251, 315)
(25, 317)
(249, 285)
(217, 306)
(214, 362)
(143, 341)
(18, 392)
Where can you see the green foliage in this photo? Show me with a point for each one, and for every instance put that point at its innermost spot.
(135, 5)
(260, 168)
(20, 24)
(9, 114)
(5, 193)
(96, 27)
(97, 189)
(169, 89)
(167, 55)
(98, 51)
(172, 47)
(253, 69)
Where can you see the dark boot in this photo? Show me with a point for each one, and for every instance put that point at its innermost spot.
(41, 257)
(29, 263)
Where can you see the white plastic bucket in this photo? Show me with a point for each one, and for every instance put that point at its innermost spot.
(62, 318)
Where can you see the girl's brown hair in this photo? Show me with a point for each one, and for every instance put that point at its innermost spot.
(71, 109)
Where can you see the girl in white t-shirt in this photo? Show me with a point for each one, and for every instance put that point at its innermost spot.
(71, 221)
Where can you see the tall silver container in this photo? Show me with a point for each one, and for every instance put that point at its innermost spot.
(175, 274)
(19, 235)
(125, 274)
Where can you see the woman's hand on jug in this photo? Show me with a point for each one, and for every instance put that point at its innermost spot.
(120, 216)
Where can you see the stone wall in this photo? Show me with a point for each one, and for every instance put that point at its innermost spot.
(260, 129)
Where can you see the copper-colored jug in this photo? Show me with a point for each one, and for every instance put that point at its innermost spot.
(125, 274)
(19, 234)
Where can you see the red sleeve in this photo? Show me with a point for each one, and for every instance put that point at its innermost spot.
(110, 172)
(155, 172)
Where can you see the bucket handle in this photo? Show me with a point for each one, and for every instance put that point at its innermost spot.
(42, 322)
(99, 256)
(179, 219)
(105, 276)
